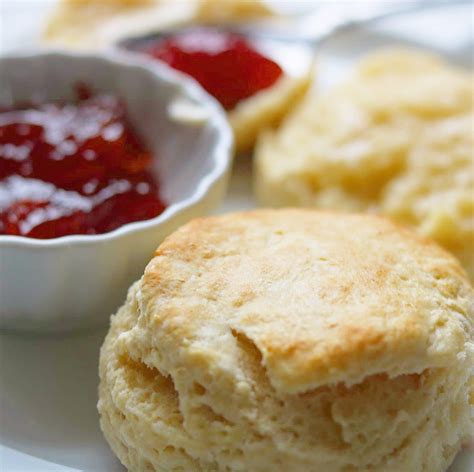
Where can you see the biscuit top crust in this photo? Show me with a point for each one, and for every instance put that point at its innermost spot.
(324, 297)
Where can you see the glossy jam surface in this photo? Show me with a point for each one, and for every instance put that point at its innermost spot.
(225, 64)
(73, 168)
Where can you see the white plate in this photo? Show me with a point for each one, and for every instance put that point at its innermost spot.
(48, 386)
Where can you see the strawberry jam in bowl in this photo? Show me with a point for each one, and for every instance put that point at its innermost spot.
(73, 168)
(101, 157)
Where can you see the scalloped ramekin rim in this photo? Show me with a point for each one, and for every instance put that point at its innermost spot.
(221, 152)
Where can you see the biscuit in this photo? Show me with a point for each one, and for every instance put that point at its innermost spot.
(95, 24)
(396, 138)
(267, 109)
(225, 11)
(291, 340)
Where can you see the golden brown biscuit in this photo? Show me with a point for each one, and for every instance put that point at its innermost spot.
(291, 340)
(397, 138)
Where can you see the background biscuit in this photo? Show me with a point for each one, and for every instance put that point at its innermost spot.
(397, 138)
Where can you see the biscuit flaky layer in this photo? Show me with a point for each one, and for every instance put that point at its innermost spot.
(395, 138)
(291, 340)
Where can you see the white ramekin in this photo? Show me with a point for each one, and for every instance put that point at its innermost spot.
(78, 281)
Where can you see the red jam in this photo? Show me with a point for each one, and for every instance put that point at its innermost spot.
(225, 64)
(75, 168)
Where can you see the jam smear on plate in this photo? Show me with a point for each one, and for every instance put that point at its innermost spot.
(73, 168)
(225, 64)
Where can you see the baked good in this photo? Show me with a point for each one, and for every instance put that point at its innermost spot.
(94, 24)
(291, 340)
(222, 11)
(396, 138)
(266, 109)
